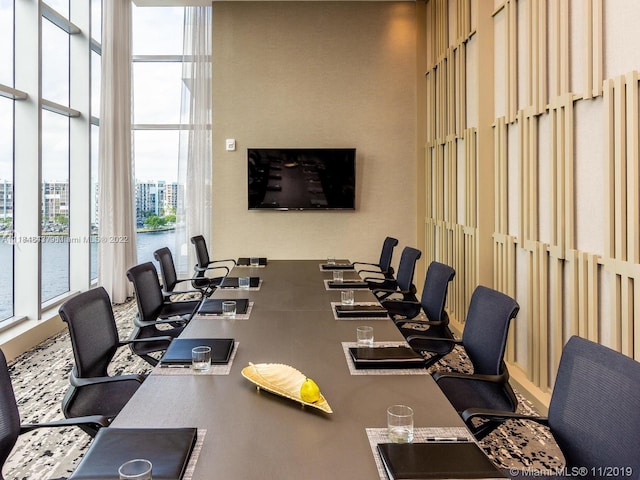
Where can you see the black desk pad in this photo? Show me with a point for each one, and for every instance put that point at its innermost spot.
(179, 351)
(213, 306)
(232, 282)
(385, 357)
(168, 450)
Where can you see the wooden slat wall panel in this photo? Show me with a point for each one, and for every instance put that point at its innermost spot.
(623, 205)
(564, 286)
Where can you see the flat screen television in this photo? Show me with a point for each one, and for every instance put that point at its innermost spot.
(301, 178)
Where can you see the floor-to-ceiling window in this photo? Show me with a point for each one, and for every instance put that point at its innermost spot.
(6, 158)
(44, 154)
(157, 89)
(96, 71)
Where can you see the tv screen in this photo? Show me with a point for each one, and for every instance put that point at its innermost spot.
(301, 178)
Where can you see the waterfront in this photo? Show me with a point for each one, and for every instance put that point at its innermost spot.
(55, 264)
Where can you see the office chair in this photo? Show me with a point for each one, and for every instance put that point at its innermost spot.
(94, 339)
(153, 311)
(402, 285)
(170, 278)
(205, 264)
(432, 303)
(384, 264)
(593, 412)
(432, 300)
(484, 339)
(10, 426)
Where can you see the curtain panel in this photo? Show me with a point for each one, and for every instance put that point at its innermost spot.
(117, 246)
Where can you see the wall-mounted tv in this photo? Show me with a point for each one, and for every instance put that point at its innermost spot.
(301, 178)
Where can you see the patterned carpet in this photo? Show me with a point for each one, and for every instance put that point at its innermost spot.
(40, 379)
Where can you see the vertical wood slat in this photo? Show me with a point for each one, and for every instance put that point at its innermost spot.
(610, 187)
(451, 179)
(428, 180)
(504, 280)
(537, 318)
(511, 62)
(471, 188)
(562, 173)
(461, 89)
(593, 76)
(632, 170)
(541, 59)
(430, 106)
(501, 175)
(528, 152)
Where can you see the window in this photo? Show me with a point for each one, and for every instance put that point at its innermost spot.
(157, 74)
(48, 134)
(96, 71)
(6, 159)
(6, 208)
(55, 190)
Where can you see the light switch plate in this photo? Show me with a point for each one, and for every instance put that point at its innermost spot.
(231, 144)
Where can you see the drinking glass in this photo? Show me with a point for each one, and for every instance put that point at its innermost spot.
(201, 358)
(138, 469)
(400, 424)
(347, 297)
(229, 308)
(254, 261)
(338, 276)
(364, 336)
(244, 282)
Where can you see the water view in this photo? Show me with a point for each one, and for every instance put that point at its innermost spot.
(55, 265)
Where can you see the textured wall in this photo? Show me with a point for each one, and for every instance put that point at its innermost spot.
(315, 74)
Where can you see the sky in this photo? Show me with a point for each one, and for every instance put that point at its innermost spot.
(157, 92)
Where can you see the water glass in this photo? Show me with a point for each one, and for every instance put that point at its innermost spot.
(138, 469)
(338, 276)
(254, 261)
(331, 260)
(244, 282)
(347, 297)
(400, 424)
(364, 336)
(229, 308)
(201, 358)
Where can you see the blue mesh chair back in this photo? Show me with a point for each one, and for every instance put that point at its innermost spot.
(485, 331)
(406, 269)
(386, 255)
(434, 293)
(594, 409)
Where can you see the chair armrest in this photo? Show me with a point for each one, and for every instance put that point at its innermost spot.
(471, 377)
(205, 269)
(165, 338)
(228, 260)
(435, 323)
(367, 264)
(410, 338)
(97, 421)
(499, 415)
(83, 382)
(139, 323)
(398, 302)
(167, 293)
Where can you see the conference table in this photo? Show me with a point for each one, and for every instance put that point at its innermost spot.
(253, 434)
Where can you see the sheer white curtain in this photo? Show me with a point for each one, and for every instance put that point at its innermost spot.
(117, 247)
(193, 216)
